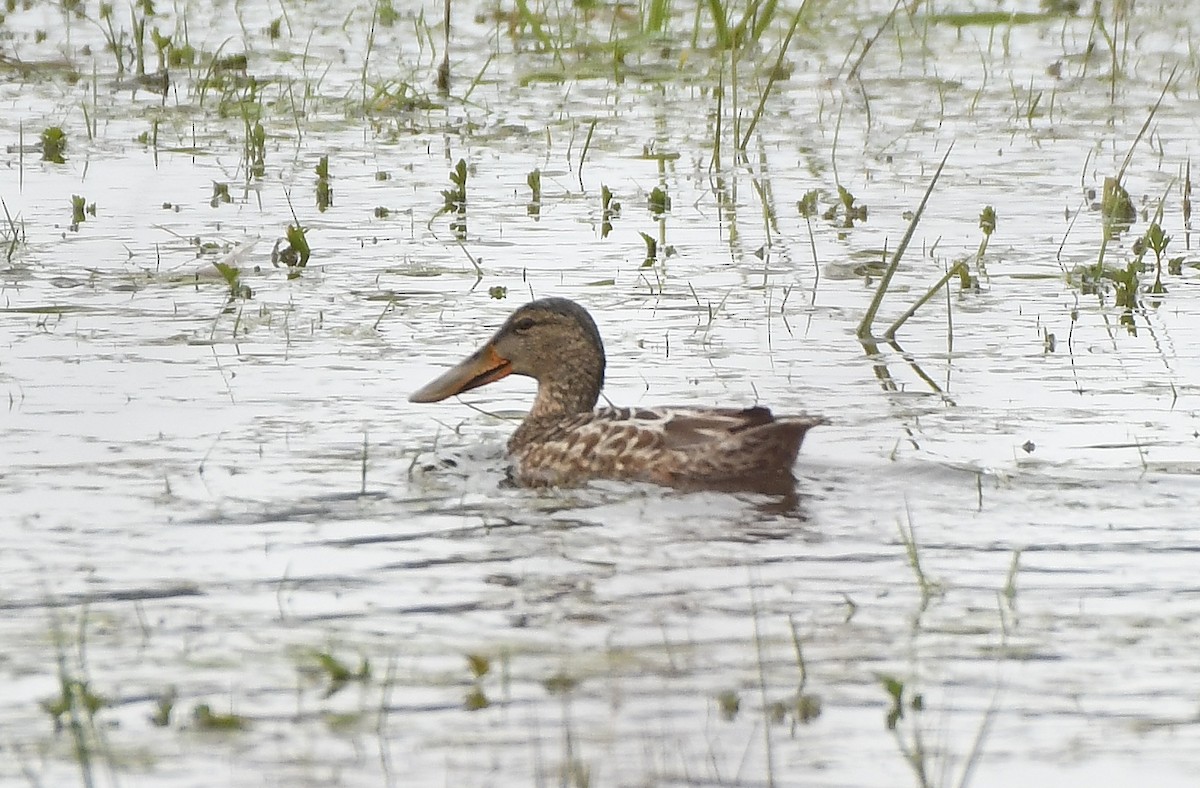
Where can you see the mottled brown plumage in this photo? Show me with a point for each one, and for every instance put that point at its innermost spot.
(563, 441)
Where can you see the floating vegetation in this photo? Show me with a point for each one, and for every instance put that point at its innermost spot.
(172, 55)
(455, 200)
(12, 233)
(295, 253)
(651, 250)
(386, 13)
(561, 684)
(534, 206)
(659, 202)
(808, 205)
(900, 700)
(609, 209)
(390, 97)
(235, 63)
(255, 151)
(847, 210)
(728, 704)
(74, 696)
(1116, 209)
(479, 667)
(987, 225)
(205, 719)
(996, 18)
(77, 705)
(1157, 241)
(220, 194)
(324, 186)
(54, 145)
(80, 210)
(336, 674)
(164, 705)
(233, 278)
(806, 708)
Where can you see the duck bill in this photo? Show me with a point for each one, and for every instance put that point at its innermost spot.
(482, 367)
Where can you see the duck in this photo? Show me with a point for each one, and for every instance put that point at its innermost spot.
(566, 441)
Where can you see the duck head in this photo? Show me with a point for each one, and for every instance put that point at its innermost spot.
(553, 340)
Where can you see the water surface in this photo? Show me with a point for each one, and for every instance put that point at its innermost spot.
(186, 513)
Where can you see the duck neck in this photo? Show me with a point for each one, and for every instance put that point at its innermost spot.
(556, 401)
(566, 394)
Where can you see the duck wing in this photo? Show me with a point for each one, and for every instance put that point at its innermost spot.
(683, 447)
(726, 447)
(685, 428)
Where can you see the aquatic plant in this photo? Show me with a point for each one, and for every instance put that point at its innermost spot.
(324, 186)
(220, 194)
(164, 706)
(205, 719)
(454, 200)
(77, 704)
(80, 210)
(292, 251)
(659, 202)
(255, 149)
(864, 326)
(609, 209)
(334, 673)
(233, 278)
(54, 145)
(651, 250)
(479, 666)
(534, 181)
(12, 233)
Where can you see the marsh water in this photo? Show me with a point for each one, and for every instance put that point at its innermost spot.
(233, 553)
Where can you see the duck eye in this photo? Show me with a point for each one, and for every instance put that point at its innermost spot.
(523, 325)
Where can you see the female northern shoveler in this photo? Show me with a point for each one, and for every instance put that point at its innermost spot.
(564, 441)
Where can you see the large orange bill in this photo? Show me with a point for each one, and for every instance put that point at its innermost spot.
(482, 367)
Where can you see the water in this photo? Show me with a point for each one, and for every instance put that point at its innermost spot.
(185, 509)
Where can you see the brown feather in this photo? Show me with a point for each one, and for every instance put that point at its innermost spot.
(563, 441)
(683, 447)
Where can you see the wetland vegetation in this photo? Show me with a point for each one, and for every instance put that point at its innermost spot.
(236, 236)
